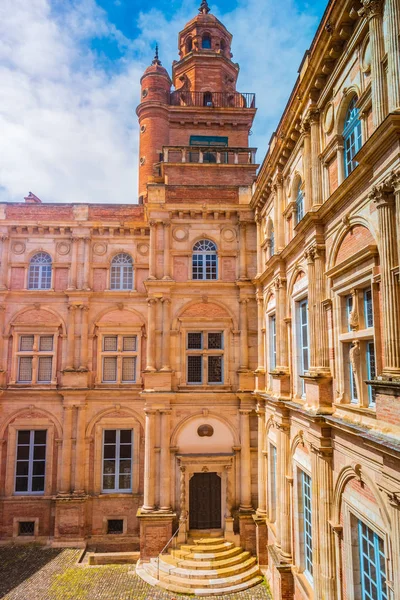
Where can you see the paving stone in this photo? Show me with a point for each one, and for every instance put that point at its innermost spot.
(37, 573)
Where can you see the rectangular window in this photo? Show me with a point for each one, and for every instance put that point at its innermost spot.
(304, 366)
(349, 308)
(35, 358)
(31, 461)
(372, 564)
(307, 523)
(272, 342)
(368, 309)
(273, 481)
(371, 371)
(205, 359)
(117, 460)
(119, 358)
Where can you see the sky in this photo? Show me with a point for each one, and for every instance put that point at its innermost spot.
(69, 84)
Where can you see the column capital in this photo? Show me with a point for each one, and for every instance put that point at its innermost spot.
(153, 223)
(243, 225)
(279, 282)
(245, 411)
(382, 195)
(393, 181)
(72, 307)
(166, 300)
(4, 237)
(371, 8)
(152, 301)
(166, 223)
(313, 115)
(149, 411)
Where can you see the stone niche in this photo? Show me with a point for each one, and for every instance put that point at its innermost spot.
(190, 440)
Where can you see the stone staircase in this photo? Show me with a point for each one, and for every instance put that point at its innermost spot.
(207, 567)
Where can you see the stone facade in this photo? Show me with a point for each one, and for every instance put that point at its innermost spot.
(327, 207)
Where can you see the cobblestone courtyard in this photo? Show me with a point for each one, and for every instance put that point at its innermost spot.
(36, 573)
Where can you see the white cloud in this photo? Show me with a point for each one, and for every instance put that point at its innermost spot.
(68, 127)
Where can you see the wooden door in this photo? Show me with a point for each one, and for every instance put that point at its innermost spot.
(205, 501)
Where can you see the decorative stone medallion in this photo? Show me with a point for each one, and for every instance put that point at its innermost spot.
(18, 247)
(228, 234)
(143, 249)
(205, 431)
(366, 56)
(100, 248)
(180, 234)
(63, 247)
(328, 118)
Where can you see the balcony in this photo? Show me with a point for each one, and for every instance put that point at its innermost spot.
(213, 99)
(217, 155)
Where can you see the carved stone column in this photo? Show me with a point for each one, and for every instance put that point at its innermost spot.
(80, 451)
(245, 461)
(261, 461)
(322, 485)
(84, 337)
(152, 251)
(340, 160)
(166, 336)
(395, 181)
(383, 196)
(316, 174)
(373, 9)
(66, 451)
(260, 267)
(260, 331)
(71, 338)
(242, 251)
(308, 193)
(393, 53)
(244, 346)
(167, 249)
(165, 462)
(151, 335)
(86, 265)
(3, 359)
(149, 462)
(318, 326)
(72, 284)
(281, 330)
(5, 245)
(283, 501)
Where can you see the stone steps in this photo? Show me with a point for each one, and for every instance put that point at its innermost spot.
(208, 566)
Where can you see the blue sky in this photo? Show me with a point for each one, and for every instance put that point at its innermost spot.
(70, 73)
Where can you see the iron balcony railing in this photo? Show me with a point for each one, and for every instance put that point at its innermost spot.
(213, 99)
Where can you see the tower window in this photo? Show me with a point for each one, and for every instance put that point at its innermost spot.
(207, 99)
(206, 42)
(189, 45)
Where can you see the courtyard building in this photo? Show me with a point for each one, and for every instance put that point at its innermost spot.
(222, 357)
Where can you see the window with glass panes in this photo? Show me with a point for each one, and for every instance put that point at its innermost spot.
(117, 460)
(371, 371)
(35, 358)
(119, 358)
(368, 309)
(204, 357)
(349, 308)
(204, 260)
(121, 272)
(372, 564)
(273, 480)
(30, 465)
(39, 274)
(351, 136)
(307, 522)
(299, 205)
(303, 335)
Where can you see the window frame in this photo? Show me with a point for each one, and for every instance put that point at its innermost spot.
(41, 274)
(117, 490)
(377, 564)
(205, 353)
(30, 460)
(300, 206)
(36, 354)
(120, 267)
(204, 254)
(306, 548)
(272, 479)
(120, 332)
(352, 136)
(119, 354)
(301, 347)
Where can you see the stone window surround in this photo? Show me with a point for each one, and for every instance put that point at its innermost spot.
(104, 330)
(270, 312)
(29, 424)
(351, 514)
(17, 332)
(271, 440)
(25, 538)
(296, 298)
(115, 423)
(122, 518)
(205, 325)
(298, 533)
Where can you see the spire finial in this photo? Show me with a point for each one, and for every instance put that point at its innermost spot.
(156, 60)
(204, 8)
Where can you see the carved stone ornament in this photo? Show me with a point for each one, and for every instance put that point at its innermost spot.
(99, 248)
(18, 247)
(328, 118)
(228, 234)
(143, 249)
(63, 248)
(205, 431)
(180, 234)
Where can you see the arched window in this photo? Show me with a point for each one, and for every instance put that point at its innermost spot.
(189, 44)
(207, 99)
(204, 260)
(299, 204)
(121, 276)
(39, 277)
(206, 42)
(222, 45)
(351, 136)
(272, 242)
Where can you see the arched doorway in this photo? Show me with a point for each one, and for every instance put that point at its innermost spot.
(205, 501)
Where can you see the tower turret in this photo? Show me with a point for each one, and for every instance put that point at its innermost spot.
(153, 118)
